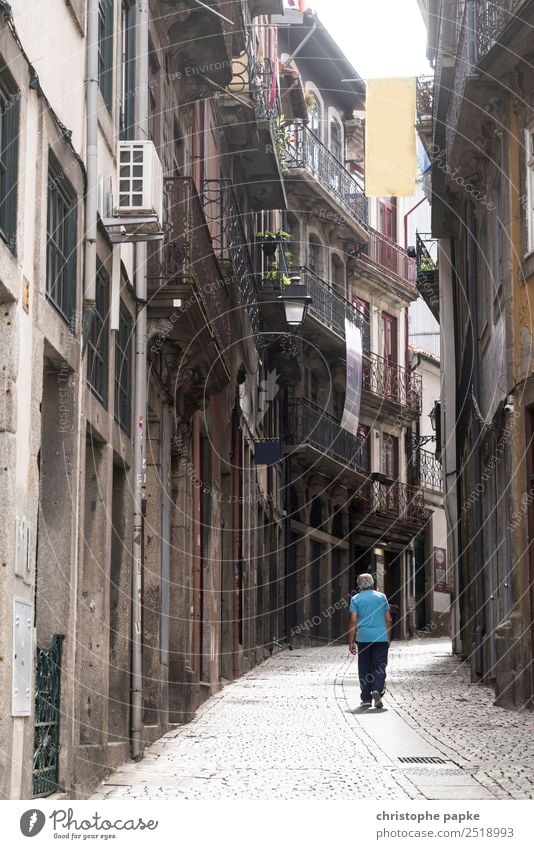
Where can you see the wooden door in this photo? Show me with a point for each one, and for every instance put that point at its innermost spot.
(389, 328)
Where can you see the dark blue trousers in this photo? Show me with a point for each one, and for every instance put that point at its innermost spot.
(372, 663)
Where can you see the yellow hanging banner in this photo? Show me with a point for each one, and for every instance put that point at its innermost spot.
(390, 153)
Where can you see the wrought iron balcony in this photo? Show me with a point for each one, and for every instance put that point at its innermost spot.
(230, 242)
(387, 255)
(428, 470)
(425, 98)
(327, 306)
(492, 18)
(465, 67)
(394, 501)
(185, 264)
(427, 271)
(304, 151)
(393, 383)
(308, 424)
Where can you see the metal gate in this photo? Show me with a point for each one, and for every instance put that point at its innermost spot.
(47, 714)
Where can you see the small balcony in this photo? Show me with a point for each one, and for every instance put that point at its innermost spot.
(425, 109)
(492, 19)
(325, 318)
(249, 116)
(390, 389)
(427, 271)
(428, 471)
(188, 296)
(393, 504)
(311, 430)
(190, 28)
(230, 243)
(306, 159)
(385, 256)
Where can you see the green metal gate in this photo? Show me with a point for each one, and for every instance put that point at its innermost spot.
(47, 715)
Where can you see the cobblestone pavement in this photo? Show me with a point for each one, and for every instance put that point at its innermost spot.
(292, 728)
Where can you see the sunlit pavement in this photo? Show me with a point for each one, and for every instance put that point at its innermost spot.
(292, 728)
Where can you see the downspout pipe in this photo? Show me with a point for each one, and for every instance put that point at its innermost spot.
(479, 519)
(140, 403)
(91, 193)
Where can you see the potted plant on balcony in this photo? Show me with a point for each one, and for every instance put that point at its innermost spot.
(274, 277)
(269, 241)
(425, 272)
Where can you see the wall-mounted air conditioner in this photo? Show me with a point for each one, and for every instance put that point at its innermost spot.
(140, 180)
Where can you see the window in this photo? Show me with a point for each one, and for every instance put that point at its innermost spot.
(483, 275)
(61, 242)
(496, 237)
(362, 308)
(98, 347)
(105, 51)
(9, 156)
(530, 189)
(314, 255)
(314, 111)
(336, 141)
(123, 371)
(363, 456)
(127, 128)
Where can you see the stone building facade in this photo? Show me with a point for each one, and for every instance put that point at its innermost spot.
(151, 549)
(481, 148)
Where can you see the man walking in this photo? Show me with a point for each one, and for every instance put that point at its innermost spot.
(370, 624)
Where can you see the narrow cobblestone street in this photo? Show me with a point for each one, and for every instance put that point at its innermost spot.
(292, 728)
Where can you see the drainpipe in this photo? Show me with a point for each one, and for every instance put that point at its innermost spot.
(418, 204)
(91, 194)
(139, 472)
(479, 519)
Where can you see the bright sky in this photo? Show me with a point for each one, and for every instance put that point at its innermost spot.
(381, 38)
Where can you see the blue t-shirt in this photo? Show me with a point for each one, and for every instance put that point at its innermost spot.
(371, 607)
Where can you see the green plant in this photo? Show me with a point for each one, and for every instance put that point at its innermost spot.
(283, 138)
(268, 234)
(427, 264)
(311, 102)
(275, 277)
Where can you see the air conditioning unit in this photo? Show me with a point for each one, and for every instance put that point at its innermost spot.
(140, 180)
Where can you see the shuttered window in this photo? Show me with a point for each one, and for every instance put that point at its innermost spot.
(105, 51)
(9, 156)
(123, 371)
(61, 242)
(98, 343)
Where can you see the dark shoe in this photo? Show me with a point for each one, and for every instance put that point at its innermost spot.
(375, 695)
(366, 703)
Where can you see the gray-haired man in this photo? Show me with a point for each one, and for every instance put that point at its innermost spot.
(371, 619)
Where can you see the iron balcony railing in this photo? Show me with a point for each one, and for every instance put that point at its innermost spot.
(465, 67)
(428, 470)
(327, 305)
(394, 500)
(308, 424)
(230, 242)
(425, 99)
(305, 151)
(384, 253)
(492, 18)
(392, 382)
(187, 256)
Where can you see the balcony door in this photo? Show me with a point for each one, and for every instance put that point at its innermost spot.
(390, 448)
(388, 227)
(389, 332)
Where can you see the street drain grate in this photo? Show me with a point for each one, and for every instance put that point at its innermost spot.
(422, 761)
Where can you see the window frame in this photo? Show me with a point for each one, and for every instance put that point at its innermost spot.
(105, 51)
(98, 342)
(61, 196)
(123, 356)
(9, 156)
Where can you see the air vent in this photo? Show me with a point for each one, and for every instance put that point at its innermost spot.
(422, 761)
